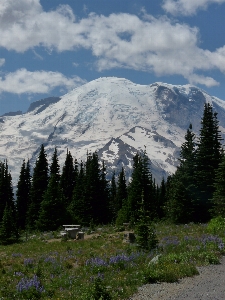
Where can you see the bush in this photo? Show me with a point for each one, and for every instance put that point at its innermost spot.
(165, 271)
(216, 225)
(98, 291)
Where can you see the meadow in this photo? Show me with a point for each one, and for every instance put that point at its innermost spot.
(102, 266)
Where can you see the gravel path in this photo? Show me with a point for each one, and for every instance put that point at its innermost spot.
(209, 284)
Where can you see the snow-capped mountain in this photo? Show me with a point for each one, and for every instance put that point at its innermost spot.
(113, 116)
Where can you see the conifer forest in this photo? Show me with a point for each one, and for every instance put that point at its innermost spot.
(81, 194)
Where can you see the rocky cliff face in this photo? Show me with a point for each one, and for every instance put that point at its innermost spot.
(113, 116)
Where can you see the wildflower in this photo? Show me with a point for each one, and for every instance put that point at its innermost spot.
(25, 284)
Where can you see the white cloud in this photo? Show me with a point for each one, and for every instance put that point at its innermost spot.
(23, 81)
(2, 61)
(187, 7)
(117, 40)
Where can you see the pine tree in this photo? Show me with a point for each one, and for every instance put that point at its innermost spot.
(23, 194)
(218, 201)
(79, 209)
(8, 229)
(144, 229)
(121, 191)
(141, 182)
(6, 190)
(178, 207)
(52, 208)
(161, 200)
(112, 198)
(94, 193)
(104, 196)
(52, 213)
(181, 191)
(208, 157)
(68, 177)
(38, 187)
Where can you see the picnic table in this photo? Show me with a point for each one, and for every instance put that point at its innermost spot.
(71, 230)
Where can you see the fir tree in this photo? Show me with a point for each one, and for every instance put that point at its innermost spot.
(208, 157)
(141, 182)
(38, 187)
(52, 208)
(6, 189)
(218, 201)
(52, 212)
(104, 195)
(67, 181)
(161, 200)
(55, 168)
(121, 191)
(112, 198)
(178, 207)
(79, 209)
(144, 229)
(23, 194)
(8, 229)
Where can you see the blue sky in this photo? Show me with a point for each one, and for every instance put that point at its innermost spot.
(48, 47)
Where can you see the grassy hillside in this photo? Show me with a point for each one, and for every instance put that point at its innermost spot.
(43, 266)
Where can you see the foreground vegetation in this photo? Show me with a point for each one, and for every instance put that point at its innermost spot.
(43, 266)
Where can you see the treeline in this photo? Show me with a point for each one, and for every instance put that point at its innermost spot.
(81, 194)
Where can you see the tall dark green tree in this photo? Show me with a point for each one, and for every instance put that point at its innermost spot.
(23, 194)
(112, 198)
(79, 208)
(181, 192)
(141, 184)
(52, 211)
(218, 201)
(38, 187)
(8, 228)
(95, 189)
(161, 199)
(208, 157)
(6, 190)
(67, 181)
(121, 191)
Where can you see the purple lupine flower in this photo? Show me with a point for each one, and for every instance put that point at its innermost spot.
(16, 255)
(50, 259)
(28, 261)
(18, 274)
(25, 284)
(96, 261)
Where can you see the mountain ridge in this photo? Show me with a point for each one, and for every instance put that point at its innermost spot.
(108, 111)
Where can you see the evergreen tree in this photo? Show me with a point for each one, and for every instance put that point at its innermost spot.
(121, 191)
(218, 201)
(208, 157)
(144, 229)
(181, 191)
(6, 190)
(52, 208)
(67, 181)
(104, 194)
(112, 198)
(79, 210)
(161, 200)
(178, 207)
(141, 182)
(52, 213)
(38, 187)
(55, 168)
(94, 193)
(23, 194)
(8, 229)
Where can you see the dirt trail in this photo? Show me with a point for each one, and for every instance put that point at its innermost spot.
(209, 284)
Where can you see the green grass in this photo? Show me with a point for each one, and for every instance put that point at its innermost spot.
(103, 265)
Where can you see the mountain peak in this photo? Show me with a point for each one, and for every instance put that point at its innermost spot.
(113, 116)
